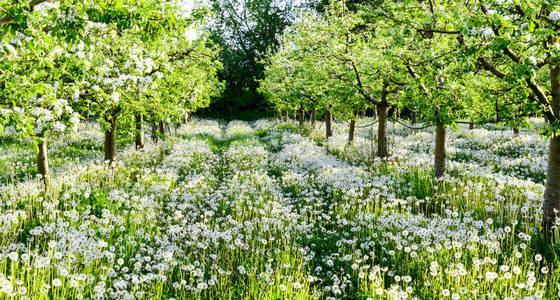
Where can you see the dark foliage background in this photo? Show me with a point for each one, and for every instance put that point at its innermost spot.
(245, 30)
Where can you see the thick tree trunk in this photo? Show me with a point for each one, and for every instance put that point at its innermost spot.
(111, 140)
(552, 191)
(439, 153)
(301, 116)
(551, 207)
(313, 117)
(352, 132)
(43, 161)
(382, 113)
(139, 132)
(155, 137)
(328, 123)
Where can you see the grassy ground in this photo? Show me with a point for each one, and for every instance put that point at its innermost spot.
(261, 211)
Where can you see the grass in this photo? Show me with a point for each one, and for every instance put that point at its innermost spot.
(267, 213)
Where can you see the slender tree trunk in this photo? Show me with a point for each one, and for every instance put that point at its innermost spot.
(301, 116)
(471, 125)
(313, 117)
(382, 114)
(111, 140)
(328, 123)
(189, 117)
(439, 153)
(413, 118)
(352, 132)
(552, 191)
(155, 137)
(287, 116)
(161, 128)
(139, 132)
(43, 161)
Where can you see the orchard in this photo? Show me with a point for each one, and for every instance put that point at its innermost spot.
(279, 149)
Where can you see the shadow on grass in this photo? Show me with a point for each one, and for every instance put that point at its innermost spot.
(219, 145)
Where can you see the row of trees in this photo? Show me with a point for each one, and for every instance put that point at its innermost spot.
(443, 61)
(119, 62)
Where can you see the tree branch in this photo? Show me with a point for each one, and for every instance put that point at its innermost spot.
(6, 19)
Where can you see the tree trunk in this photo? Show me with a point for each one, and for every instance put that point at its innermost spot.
(439, 153)
(516, 130)
(139, 132)
(328, 123)
(155, 137)
(413, 118)
(471, 125)
(382, 112)
(301, 116)
(161, 128)
(287, 116)
(43, 161)
(189, 117)
(352, 132)
(111, 140)
(313, 117)
(552, 190)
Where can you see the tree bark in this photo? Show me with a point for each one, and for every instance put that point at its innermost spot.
(328, 123)
(155, 137)
(313, 117)
(551, 205)
(111, 140)
(287, 116)
(439, 153)
(43, 161)
(139, 132)
(382, 114)
(552, 191)
(413, 118)
(352, 132)
(301, 116)
(161, 128)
